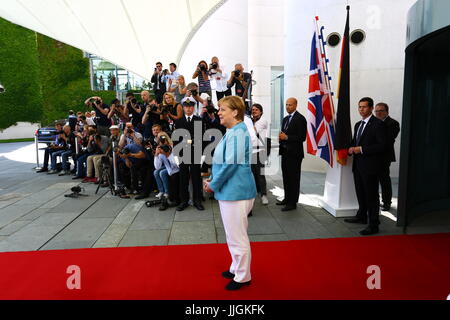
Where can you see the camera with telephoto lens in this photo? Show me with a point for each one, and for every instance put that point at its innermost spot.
(203, 67)
(214, 66)
(194, 93)
(237, 73)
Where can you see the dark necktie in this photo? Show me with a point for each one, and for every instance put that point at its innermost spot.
(360, 131)
(189, 120)
(287, 123)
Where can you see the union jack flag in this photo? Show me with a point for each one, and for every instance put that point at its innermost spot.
(320, 115)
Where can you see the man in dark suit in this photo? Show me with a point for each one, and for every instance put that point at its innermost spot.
(368, 148)
(393, 129)
(159, 82)
(190, 166)
(291, 138)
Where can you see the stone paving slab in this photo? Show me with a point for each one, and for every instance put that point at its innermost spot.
(82, 233)
(118, 228)
(140, 238)
(29, 238)
(193, 232)
(14, 212)
(153, 219)
(13, 227)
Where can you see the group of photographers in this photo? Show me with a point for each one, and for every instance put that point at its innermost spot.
(144, 158)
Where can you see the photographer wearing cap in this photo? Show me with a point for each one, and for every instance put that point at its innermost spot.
(204, 83)
(159, 82)
(190, 166)
(217, 72)
(101, 113)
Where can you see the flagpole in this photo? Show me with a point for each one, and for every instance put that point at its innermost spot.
(339, 197)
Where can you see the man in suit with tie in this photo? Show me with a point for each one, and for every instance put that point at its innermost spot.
(291, 139)
(368, 148)
(393, 129)
(159, 82)
(190, 166)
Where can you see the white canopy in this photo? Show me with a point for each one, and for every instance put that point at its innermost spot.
(133, 34)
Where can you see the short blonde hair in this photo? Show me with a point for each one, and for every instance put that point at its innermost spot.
(168, 94)
(235, 103)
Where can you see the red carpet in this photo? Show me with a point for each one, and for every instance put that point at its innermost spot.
(412, 267)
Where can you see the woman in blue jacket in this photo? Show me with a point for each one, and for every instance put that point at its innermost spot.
(234, 187)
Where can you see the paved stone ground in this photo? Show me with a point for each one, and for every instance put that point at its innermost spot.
(35, 215)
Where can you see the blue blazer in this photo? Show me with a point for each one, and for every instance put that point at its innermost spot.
(232, 177)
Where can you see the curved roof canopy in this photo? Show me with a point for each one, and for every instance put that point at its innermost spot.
(133, 34)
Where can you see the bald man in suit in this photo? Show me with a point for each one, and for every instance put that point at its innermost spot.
(291, 151)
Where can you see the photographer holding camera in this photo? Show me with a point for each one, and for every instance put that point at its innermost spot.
(171, 111)
(91, 148)
(132, 166)
(242, 82)
(59, 148)
(130, 136)
(99, 149)
(204, 83)
(118, 114)
(159, 82)
(151, 116)
(134, 108)
(200, 102)
(167, 177)
(101, 113)
(178, 88)
(218, 73)
(51, 148)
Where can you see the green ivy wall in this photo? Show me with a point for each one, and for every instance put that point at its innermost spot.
(44, 78)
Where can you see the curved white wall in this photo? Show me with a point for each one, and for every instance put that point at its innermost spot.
(223, 35)
(376, 64)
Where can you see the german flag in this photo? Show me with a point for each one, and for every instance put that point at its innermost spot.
(343, 123)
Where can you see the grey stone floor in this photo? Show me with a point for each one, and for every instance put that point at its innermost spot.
(35, 215)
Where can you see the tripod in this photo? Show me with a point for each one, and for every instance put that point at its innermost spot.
(106, 176)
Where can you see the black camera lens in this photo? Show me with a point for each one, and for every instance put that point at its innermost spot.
(237, 73)
(214, 66)
(194, 93)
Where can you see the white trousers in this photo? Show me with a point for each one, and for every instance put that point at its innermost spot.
(234, 217)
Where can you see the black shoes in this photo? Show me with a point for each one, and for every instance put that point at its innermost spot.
(233, 285)
(289, 208)
(356, 220)
(227, 275)
(77, 177)
(386, 207)
(250, 214)
(182, 206)
(42, 170)
(281, 203)
(369, 231)
(199, 206)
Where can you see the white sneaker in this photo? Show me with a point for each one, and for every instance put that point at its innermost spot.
(264, 200)
(166, 195)
(159, 195)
